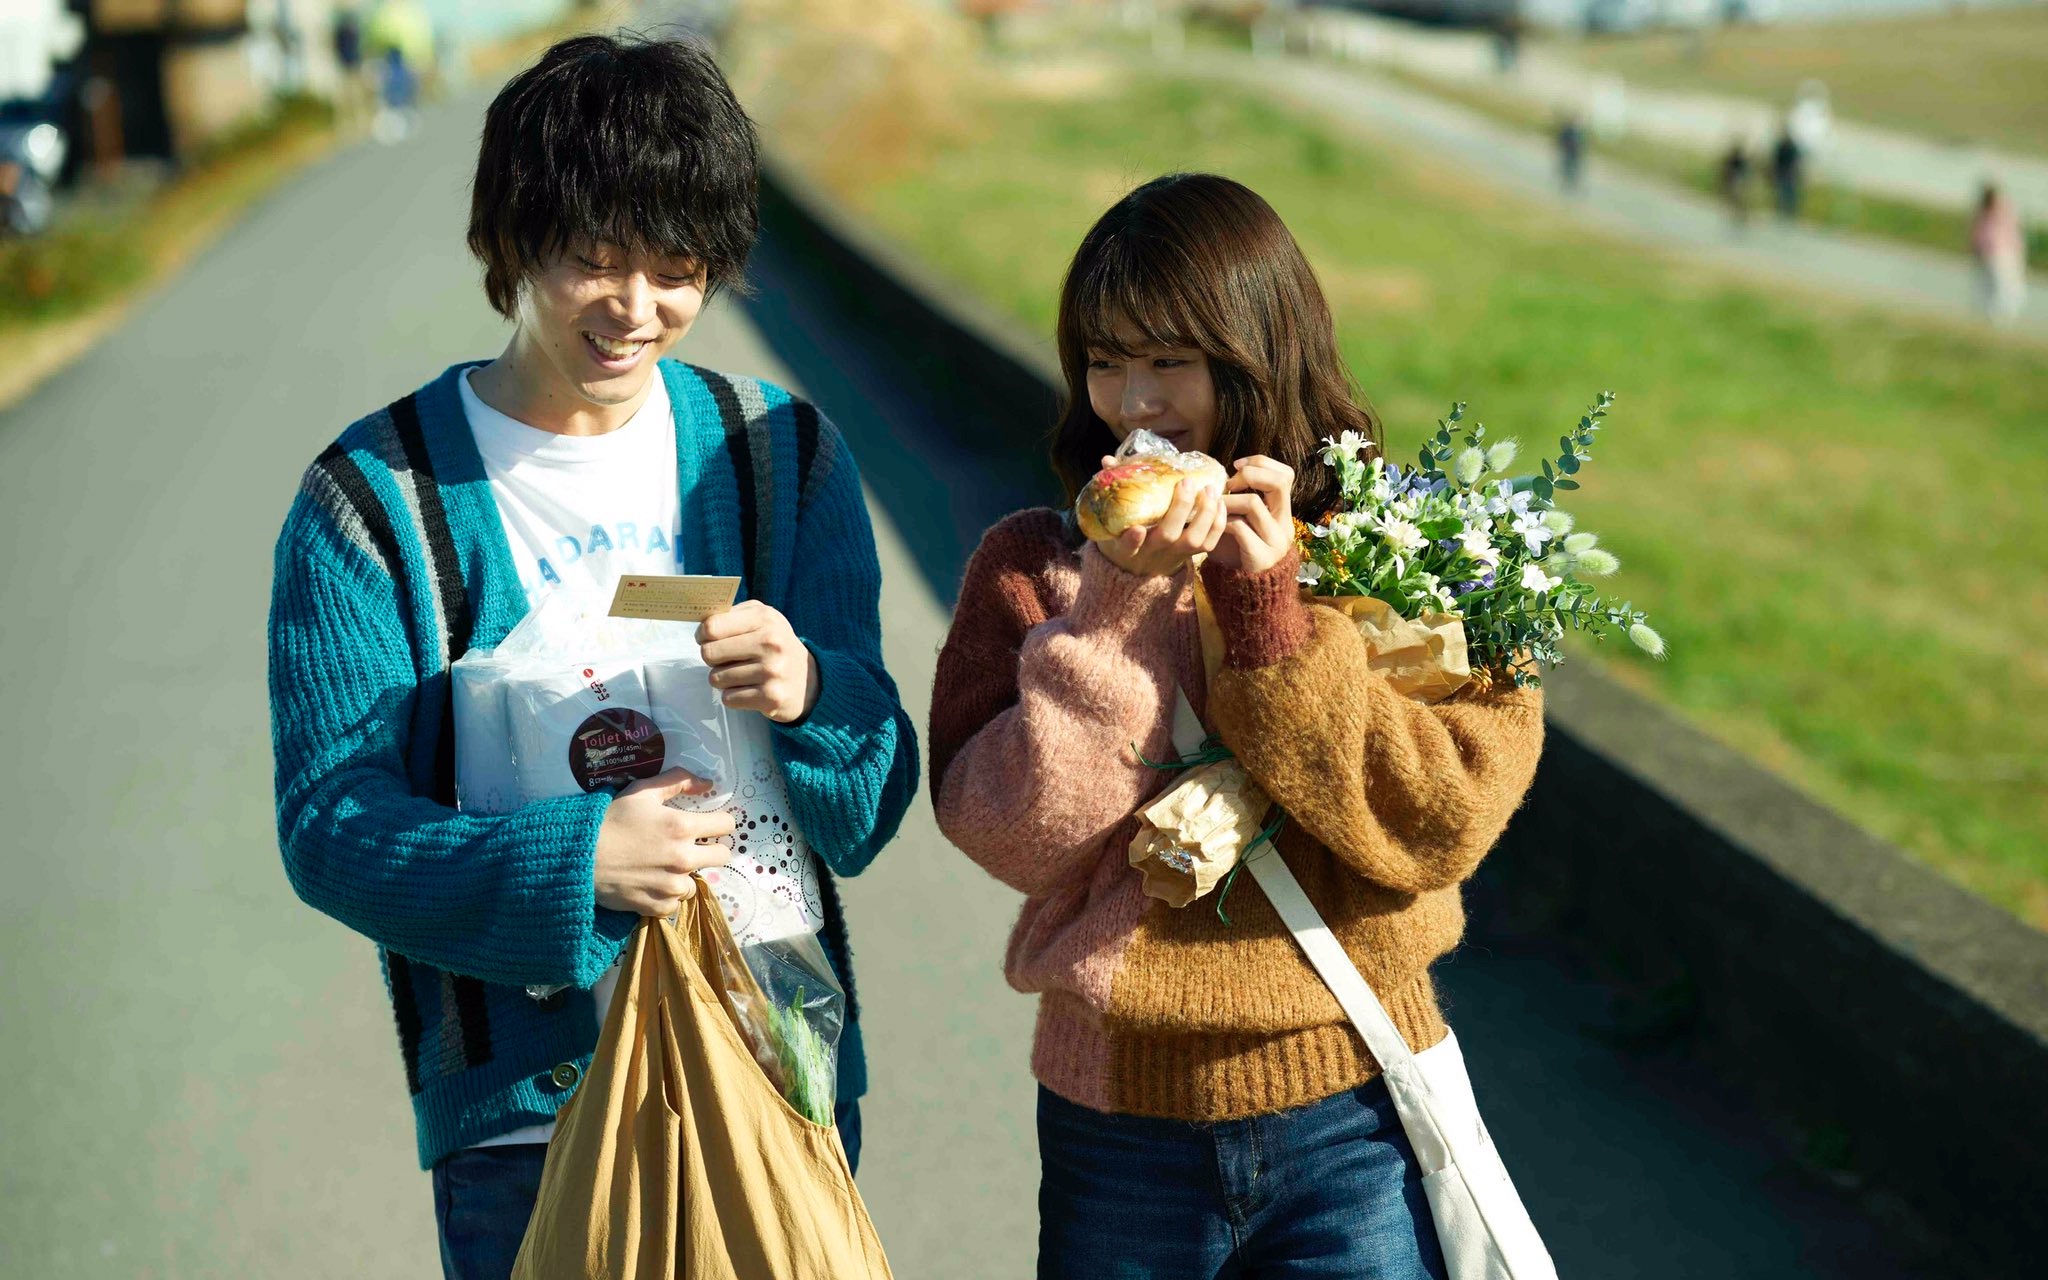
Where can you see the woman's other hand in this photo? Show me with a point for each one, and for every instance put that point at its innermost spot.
(1259, 506)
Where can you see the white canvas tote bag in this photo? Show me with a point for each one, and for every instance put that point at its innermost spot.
(1480, 1221)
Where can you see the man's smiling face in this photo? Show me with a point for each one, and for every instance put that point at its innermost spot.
(600, 319)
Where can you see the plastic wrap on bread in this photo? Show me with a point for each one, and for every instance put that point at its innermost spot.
(1137, 488)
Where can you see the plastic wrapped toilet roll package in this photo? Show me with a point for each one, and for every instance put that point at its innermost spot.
(576, 701)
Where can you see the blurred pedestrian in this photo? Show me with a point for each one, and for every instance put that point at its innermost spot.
(1788, 172)
(1507, 43)
(1999, 243)
(1571, 153)
(400, 38)
(355, 93)
(1735, 176)
(615, 191)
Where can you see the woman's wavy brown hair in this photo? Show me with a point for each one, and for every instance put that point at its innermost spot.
(1195, 260)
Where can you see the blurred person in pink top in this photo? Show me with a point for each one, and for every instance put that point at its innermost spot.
(2000, 246)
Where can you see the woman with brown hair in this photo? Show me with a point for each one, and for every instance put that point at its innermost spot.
(1205, 1109)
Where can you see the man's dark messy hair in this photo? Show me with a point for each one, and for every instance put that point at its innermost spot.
(635, 143)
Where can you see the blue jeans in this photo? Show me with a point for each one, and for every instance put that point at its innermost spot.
(1330, 1189)
(483, 1197)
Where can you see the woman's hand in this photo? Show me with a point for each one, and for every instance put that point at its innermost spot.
(1191, 526)
(1259, 501)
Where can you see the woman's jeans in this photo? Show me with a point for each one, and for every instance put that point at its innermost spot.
(1330, 1189)
(483, 1197)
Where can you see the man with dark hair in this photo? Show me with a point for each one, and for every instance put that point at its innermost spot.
(614, 193)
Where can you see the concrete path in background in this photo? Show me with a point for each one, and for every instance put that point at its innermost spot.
(1936, 172)
(1787, 257)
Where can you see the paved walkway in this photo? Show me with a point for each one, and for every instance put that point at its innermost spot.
(1860, 157)
(1922, 282)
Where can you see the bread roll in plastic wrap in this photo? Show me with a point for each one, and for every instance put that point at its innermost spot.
(1135, 492)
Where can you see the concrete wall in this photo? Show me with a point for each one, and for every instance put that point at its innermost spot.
(1898, 1023)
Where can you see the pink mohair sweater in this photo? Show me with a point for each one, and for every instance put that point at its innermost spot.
(1058, 665)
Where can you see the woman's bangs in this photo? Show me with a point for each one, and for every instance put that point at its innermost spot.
(1119, 299)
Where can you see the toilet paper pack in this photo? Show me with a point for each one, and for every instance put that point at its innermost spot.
(575, 701)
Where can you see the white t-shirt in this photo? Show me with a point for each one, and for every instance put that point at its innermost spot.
(586, 508)
(583, 507)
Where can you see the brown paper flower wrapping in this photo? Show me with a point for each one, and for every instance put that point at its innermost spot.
(1423, 658)
(1195, 833)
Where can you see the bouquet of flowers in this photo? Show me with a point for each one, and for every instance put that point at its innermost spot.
(1454, 566)
(1451, 569)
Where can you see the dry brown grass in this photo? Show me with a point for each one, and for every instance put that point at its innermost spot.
(855, 90)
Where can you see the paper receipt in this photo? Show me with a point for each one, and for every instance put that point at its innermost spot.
(673, 598)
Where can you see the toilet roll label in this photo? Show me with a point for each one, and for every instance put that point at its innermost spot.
(614, 747)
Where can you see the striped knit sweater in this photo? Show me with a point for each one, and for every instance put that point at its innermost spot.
(1059, 669)
(392, 564)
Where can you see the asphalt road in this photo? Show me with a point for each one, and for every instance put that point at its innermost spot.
(202, 1073)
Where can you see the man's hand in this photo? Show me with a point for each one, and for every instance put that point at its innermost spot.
(758, 664)
(647, 851)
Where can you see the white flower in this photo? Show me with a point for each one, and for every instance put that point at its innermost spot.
(1351, 444)
(1501, 456)
(1480, 547)
(1534, 532)
(1311, 573)
(1534, 579)
(1558, 521)
(1401, 535)
(1347, 525)
(1647, 640)
(1382, 486)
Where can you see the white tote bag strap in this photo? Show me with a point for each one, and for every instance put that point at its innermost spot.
(1353, 993)
(1480, 1219)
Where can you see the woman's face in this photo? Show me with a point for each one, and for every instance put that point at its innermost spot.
(1165, 390)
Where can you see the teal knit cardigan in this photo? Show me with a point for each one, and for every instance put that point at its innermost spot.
(391, 565)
